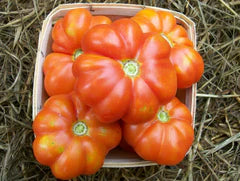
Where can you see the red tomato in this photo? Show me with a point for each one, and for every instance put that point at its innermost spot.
(67, 35)
(124, 74)
(69, 138)
(166, 138)
(189, 65)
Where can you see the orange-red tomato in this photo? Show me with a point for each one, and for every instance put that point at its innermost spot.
(67, 34)
(187, 61)
(166, 138)
(70, 139)
(124, 74)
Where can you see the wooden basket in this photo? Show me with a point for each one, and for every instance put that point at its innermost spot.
(116, 158)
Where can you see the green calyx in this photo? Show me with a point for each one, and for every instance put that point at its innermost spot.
(80, 128)
(162, 116)
(77, 53)
(131, 68)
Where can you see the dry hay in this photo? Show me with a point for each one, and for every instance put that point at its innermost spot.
(215, 154)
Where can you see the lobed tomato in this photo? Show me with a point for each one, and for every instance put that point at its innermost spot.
(70, 139)
(166, 138)
(123, 73)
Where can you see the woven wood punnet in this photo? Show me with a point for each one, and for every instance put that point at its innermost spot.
(116, 158)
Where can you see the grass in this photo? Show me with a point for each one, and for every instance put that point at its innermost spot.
(215, 154)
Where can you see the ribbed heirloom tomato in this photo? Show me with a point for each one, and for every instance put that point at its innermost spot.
(166, 138)
(124, 73)
(187, 61)
(67, 34)
(70, 139)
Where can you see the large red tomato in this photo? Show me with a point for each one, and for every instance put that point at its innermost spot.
(123, 73)
(67, 34)
(70, 139)
(187, 61)
(166, 138)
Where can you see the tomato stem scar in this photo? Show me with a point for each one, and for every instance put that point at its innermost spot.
(131, 68)
(80, 128)
(162, 116)
(77, 53)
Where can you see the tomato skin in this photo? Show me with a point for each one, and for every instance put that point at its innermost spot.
(67, 35)
(163, 142)
(101, 79)
(59, 147)
(57, 69)
(166, 24)
(68, 31)
(101, 84)
(188, 64)
(152, 21)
